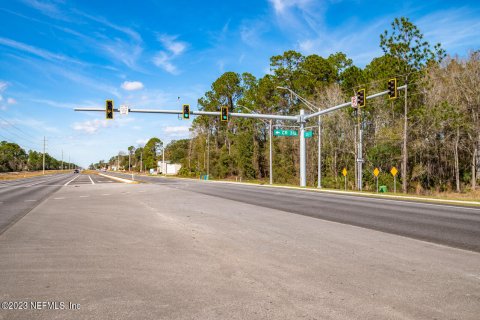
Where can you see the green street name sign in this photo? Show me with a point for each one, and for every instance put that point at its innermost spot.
(308, 134)
(285, 133)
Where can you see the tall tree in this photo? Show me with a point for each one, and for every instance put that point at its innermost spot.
(406, 43)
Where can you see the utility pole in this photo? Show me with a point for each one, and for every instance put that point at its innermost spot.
(405, 137)
(312, 108)
(303, 178)
(319, 173)
(360, 150)
(164, 167)
(129, 154)
(270, 156)
(141, 160)
(62, 159)
(43, 155)
(208, 154)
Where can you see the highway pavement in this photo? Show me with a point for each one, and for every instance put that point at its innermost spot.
(18, 197)
(452, 225)
(167, 251)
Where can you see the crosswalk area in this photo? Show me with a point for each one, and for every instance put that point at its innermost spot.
(86, 179)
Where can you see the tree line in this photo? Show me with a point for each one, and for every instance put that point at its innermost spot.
(431, 133)
(14, 158)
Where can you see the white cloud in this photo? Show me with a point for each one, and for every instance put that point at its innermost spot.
(123, 51)
(132, 85)
(47, 55)
(162, 60)
(3, 86)
(90, 126)
(11, 101)
(175, 48)
(142, 142)
(176, 129)
(170, 43)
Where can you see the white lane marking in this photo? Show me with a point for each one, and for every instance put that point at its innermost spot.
(1, 202)
(91, 179)
(84, 196)
(29, 200)
(42, 181)
(106, 194)
(66, 184)
(61, 198)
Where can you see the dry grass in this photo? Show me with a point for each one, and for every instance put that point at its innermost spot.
(28, 174)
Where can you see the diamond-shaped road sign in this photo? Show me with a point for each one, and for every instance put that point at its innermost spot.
(394, 171)
(376, 172)
(344, 172)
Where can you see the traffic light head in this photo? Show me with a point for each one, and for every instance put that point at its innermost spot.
(109, 109)
(186, 111)
(224, 115)
(361, 98)
(392, 88)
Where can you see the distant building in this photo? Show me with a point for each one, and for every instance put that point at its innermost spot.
(168, 168)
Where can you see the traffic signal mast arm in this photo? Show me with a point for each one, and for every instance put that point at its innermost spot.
(202, 113)
(346, 104)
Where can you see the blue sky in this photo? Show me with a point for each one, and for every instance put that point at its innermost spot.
(60, 54)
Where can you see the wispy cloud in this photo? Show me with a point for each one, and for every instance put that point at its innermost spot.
(11, 101)
(128, 31)
(173, 48)
(163, 60)
(47, 8)
(3, 85)
(42, 53)
(90, 126)
(176, 129)
(172, 44)
(172, 132)
(455, 29)
(132, 85)
(142, 142)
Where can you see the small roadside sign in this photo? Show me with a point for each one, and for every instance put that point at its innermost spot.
(308, 134)
(344, 172)
(285, 133)
(394, 171)
(376, 172)
(123, 109)
(354, 101)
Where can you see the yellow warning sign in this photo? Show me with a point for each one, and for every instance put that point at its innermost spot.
(376, 172)
(344, 172)
(394, 171)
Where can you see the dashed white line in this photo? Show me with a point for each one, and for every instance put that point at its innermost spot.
(84, 196)
(29, 200)
(91, 179)
(61, 198)
(106, 194)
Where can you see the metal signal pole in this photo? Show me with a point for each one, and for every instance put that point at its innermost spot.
(301, 119)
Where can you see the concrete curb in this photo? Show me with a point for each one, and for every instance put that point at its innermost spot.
(117, 178)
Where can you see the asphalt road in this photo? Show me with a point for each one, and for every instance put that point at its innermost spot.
(456, 226)
(18, 197)
(162, 251)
